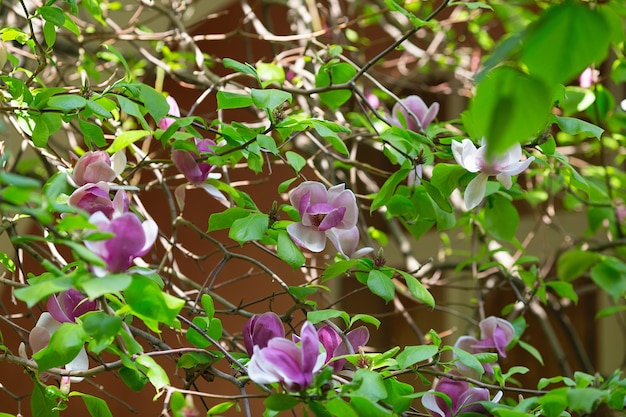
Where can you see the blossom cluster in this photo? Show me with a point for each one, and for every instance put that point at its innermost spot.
(294, 363)
(495, 334)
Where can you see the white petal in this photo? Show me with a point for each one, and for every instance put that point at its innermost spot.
(307, 237)
(213, 191)
(429, 401)
(475, 191)
(517, 167)
(118, 162)
(505, 179)
(466, 155)
(79, 363)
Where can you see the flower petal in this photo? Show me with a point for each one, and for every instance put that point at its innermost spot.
(466, 155)
(307, 237)
(475, 191)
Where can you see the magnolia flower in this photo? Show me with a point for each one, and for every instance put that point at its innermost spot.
(132, 239)
(166, 122)
(588, 77)
(196, 172)
(335, 346)
(260, 329)
(418, 116)
(325, 214)
(495, 333)
(69, 305)
(39, 338)
(464, 399)
(475, 160)
(95, 197)
(284, 361)
(96, 166)
(415, 176)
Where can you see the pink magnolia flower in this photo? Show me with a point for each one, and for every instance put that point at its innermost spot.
(132, 239)
(331, 214)
(464, 399)
(287, 362)
(418, 116)
(186, 162)
(96, 166)
(39, 338)
(95, 197)
(495, 333)
(475, 160)
(260, 329)
(588, 77)
(166, 122)
(69, 305)
(335, 346)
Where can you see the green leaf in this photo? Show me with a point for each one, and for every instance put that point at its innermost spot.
(67, 102)
(149, 303)
(228, 100)
(610, 275)
(92, 132)
(270, 73)
(417, 290)
(134, 379)
(157, 375)
(296, 161)
(41, 405)
(97, 287)
(65, 344)
(131, 108)
(369, 385)
(102, 328)
(225, 219)
(155, 102)
(575, 263)
(239, 67)
(414, 354)
(365, 318)
(99, 109)
(220, 408)
(584, 399)
(252, 227)
(469, 360)
(97, 407)
(388, 188)
(554, 403)
(333, 75)
(267, 142)
(417, 22)
(509, 107)
(576, 126)
(381, 284)
(501, 218)
(41, 133)
(317, 316)
(338, 268)
(7, 262)
(289, 251)
(281, 402)
(325, 130)
(125, 139)
(564, 289)
(340, 408)
(53, 15)
(564, 41)
(207, 305)
(269, 99)
(442, 202)
(34, 293)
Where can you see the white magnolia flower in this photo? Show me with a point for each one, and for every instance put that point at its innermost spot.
(475, 160)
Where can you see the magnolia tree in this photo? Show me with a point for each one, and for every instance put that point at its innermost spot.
(372, 126)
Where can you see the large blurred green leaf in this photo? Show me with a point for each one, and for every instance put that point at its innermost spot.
(565, 40)
(332, 75)
(509, 106)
